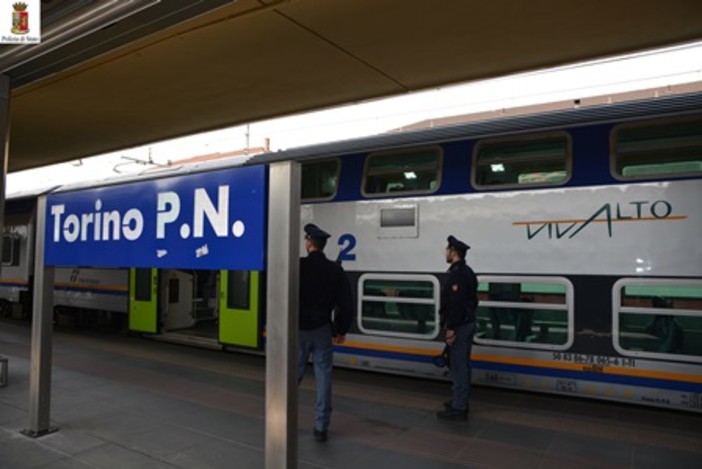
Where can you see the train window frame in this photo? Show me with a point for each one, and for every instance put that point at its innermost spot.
(568, 307)
(618, 309)
(398, 151)
(435, 300)
(516, 139)
(614, 155)
(337, 175)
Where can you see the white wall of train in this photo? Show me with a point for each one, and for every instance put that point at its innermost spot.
(644, 233)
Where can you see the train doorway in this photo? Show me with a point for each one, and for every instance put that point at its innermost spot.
(188, 307)
(204, 308)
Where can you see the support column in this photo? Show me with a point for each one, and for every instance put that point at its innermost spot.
(282, 315)
(42, 335)
(5, 142)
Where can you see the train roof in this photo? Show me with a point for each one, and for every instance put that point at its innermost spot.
(29, 194)
(157, 173)
(630, 110)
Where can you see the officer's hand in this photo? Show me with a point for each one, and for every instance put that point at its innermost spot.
(450, 337)
(339, 339)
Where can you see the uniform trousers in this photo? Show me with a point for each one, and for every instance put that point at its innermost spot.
(318, 344)
(460, 368)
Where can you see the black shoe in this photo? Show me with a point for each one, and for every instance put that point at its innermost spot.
(448, 406)
(320, 437)
(452, 414)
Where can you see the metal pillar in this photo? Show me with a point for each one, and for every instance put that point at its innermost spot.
(5, 132)
(282, 315)
(42, 335)
(5, 142)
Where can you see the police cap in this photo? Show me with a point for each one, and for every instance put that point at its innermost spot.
(314, 232)
(457, 245)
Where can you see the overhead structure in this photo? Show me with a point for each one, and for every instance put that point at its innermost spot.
(164, 69)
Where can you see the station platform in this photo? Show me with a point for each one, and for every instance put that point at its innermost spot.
(126, 402)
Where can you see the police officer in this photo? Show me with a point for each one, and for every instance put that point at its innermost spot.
(459, 299)
(323, 289)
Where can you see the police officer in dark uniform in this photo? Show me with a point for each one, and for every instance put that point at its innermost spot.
(459, 300)
(323, 289)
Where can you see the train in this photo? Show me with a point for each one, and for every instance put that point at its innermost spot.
(584, 226)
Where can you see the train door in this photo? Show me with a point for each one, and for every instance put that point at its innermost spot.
(177, 300)
(239, 311)
(205, 309)
(143, 300)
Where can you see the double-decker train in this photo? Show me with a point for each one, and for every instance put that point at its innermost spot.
(584, 226)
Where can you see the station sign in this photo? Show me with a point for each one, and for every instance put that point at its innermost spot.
(213, 220)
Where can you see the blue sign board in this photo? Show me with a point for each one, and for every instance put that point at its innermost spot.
(214, 220)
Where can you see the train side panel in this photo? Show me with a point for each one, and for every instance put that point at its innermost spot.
(96, 289)
(588, 268)
(649, 229)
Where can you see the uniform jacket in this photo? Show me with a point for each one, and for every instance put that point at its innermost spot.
(324, 287)
(459, 296)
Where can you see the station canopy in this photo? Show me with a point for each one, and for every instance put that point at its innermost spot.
(110, 75)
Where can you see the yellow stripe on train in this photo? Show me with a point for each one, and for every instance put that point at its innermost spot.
(666, 375)
(533, 362)
(17, 281)
(390, 348)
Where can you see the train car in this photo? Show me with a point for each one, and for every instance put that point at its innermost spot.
(18, 255)
(84, 297)
(584, 227)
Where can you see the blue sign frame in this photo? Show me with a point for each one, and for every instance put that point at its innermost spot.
(213, 220)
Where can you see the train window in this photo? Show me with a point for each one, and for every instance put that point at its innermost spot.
(238, 287)
(142, 283)
(668, 148)
(399, 305)
(526, 312)
(413, 171)
(658, 318)
(6, 250)
(320, 179)
(533, 160)
(10, 249)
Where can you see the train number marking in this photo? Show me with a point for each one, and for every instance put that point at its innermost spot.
(594, 363)
(347, 242)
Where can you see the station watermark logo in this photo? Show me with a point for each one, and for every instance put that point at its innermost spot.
(20, 22)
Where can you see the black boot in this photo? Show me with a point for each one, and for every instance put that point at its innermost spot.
(320, 436)
(452, 414)
(448, 405)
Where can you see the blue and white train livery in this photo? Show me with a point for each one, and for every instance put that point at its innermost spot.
(584, 226)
